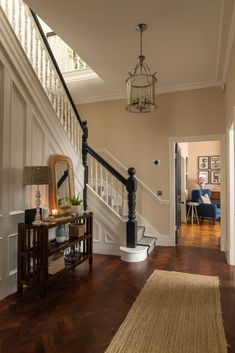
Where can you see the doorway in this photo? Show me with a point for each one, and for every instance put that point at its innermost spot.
(231, 194)
(188, 183)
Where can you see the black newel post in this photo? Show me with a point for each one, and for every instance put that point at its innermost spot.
(84, 161)
(131, 226)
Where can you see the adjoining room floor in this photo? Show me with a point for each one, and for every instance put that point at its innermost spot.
(84, 309)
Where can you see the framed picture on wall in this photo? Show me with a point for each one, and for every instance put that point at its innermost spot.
(203, 175)
(203, 162)
(215, 177)
(215, 162)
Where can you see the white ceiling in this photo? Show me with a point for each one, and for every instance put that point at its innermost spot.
(187, 43)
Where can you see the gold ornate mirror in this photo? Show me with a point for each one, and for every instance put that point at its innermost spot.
(62, 187)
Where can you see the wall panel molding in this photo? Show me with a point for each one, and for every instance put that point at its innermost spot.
(29, 133)
(1, 259)
(12, 252)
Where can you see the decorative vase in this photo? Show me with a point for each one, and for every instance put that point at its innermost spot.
(61, 234)
(77, 210)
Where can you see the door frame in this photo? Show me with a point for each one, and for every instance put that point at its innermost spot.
(172, 142)
(177, 192)
(230, 254)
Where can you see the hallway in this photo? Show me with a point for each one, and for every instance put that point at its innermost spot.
(83, 311)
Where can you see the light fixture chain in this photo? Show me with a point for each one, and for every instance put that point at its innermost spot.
(140, 43)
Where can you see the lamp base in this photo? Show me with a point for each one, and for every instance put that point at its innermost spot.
(37, 223)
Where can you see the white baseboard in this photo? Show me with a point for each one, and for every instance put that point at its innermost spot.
(106, 249)
(165, 240)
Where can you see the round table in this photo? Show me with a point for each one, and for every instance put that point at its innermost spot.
(192, 211)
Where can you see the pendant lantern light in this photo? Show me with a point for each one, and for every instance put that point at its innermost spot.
(141, 83)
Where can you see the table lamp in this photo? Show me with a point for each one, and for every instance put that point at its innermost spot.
(37, 175)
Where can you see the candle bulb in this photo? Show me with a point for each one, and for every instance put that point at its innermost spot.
(54, 212)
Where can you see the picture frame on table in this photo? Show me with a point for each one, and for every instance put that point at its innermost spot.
(215, 177)
(215, 162)
(203, 162)
(204, 174)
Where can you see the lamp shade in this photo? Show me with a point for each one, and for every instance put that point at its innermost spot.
(38, 175)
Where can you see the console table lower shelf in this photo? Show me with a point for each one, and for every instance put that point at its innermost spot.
(41, 260)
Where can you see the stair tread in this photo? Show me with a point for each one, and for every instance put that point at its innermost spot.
(147, 241)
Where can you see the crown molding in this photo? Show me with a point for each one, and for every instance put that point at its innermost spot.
(169, 89)
(80, 75)
(229, 45)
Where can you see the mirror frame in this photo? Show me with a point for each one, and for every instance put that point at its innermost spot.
(53, 159)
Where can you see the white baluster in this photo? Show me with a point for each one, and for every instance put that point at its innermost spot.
(26, 44)
(112, 190)
(46, 84)
(74, 131)
(7, 8)
(80, 146)
(50, 89)
(91, 171)
(62, 106)
(20, 15)
(58, 99)
(116, 196)
(123, 200)
(41, 76)
(72, 127)
(69, 123)
(54, 92)
(96, 177)
(32, 57)
(78, 137)
(75, 135)
(37, 56)
(13, 21)
(68, 119)
(66, 114)
(101, 181)
(106, 186)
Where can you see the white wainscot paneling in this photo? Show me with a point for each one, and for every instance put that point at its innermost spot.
(38, 143)
(1, 124)
(17, 148)
(1, 258)
(108, 238)
(96, 231)
(12, 254)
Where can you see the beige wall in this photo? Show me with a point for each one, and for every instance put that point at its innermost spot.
(230, 87)
(137, 139)
(195, 149)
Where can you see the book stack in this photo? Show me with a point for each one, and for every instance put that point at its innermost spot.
(56, 263)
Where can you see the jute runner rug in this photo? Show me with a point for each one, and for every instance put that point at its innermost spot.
(174, 313)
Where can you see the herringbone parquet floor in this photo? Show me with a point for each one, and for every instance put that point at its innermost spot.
(83, 310)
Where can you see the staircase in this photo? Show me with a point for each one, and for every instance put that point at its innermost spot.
(103, 184)
(112, 194)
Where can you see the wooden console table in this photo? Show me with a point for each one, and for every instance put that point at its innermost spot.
(35, 248)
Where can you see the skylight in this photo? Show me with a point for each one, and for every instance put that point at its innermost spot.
(70, 63)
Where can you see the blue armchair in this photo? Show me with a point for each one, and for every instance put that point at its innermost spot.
(205, 210)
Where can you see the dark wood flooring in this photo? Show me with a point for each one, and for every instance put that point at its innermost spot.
(84, 309)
